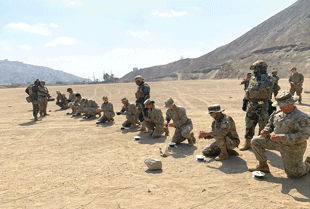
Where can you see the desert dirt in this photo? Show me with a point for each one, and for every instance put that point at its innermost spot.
(66, 162)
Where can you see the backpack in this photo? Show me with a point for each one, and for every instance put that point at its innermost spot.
(29, 92)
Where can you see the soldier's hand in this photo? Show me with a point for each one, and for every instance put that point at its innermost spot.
(263, 133)
(165, 124)
(171, 125)
(275, 138)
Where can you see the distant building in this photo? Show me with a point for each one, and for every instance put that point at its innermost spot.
(135, 68)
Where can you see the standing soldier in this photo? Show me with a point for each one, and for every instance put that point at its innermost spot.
(43, 99)
(291, 129)
(33, 91)
(142, 94)
(154, 120)
(296, 80)
(224, 132)
(182, 124)
(61, 100)
(246, 81)
(107, 109)
(256, 101)
(276, 87)
(131, 113)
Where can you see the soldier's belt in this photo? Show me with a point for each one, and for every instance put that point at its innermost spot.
(257, 102)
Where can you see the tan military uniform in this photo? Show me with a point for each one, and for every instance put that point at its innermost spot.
(61, 101)
(183, 124)
(72, 99)
(294, 130)
(90, 108)
(43, 100)
(131, 113)
(296, 78)
(225, 135)
(157, 122)
(108, 112)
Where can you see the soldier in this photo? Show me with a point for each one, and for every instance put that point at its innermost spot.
(90, 108)
(276, 86)
(296, 80)
(131, 113)
(246, 81)
(142, 94)
(33, 91)
(291, 129)
(61, 100)
(72, 96)
(43, 99)
(76, 105)
(223, 131)
(107, 109)
(154, 120)
(182, 124)
(256, 101)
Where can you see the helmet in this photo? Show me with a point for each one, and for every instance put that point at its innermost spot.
(69, 89)
(139, 78)
(258, 65)
(43, 82)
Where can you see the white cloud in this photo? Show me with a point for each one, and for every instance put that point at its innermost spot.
(62, 41)
(145, 35)
(26, 47)
(5, 47)
(169, 15)
(40, 28)
(53, 25)
(73, 3)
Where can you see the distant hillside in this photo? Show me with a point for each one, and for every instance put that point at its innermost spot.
(283, 41)
(21, 73)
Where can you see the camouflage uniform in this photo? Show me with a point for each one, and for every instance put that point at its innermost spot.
(89, 107)
(142, 94)
(257, 95)
(131, 113)
(225, 135)
(293, 129)
(35, 98)
(108, 112)
(71, 99)
(43, 100)
(296, 78)
(276, 87)
(61, 101)
(157, 121)
(183, 124)
(77, 104)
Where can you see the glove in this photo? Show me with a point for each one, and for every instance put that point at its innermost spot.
(245, 104)
(118, 113)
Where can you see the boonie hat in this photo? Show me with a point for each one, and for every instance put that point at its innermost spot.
(69, 89)
(124, 100)
(169, 102)
(215, 108)
(147, 102)
(283, 98)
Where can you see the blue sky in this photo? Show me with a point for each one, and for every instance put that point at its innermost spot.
(88, 37)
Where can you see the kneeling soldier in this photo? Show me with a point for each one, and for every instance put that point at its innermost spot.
(291, 129)
(154, 120)
(131, 113)
(107, 109)
(224, 132)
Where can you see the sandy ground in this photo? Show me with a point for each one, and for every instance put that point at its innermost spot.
(65, 162)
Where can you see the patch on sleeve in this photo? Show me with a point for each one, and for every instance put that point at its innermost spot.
(303, 123)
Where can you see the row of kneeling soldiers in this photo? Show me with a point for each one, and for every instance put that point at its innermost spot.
(291, 129)
(290, 126)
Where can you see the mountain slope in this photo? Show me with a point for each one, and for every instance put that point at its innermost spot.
(282, 41)
(21, 73)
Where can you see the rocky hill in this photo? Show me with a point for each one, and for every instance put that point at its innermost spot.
(21, 73)
(282, 41)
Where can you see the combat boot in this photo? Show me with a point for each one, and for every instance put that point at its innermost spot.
(166, 131)
(262, 166)
(307, 160)
(247, 145)
(223, 155)
(191, 140)
(37, 119)
(143, 126)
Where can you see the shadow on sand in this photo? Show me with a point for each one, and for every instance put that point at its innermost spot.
(154, 172)
(32, 122)
(182, 150)
(234, 164)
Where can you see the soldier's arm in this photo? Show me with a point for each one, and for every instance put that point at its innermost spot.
(301, 79)
(223, 130)
(182, 118)
(158, 116)
(168, 118)
(146, 91)
(303, 125)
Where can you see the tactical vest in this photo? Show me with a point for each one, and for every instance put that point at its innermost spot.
(258, 90)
